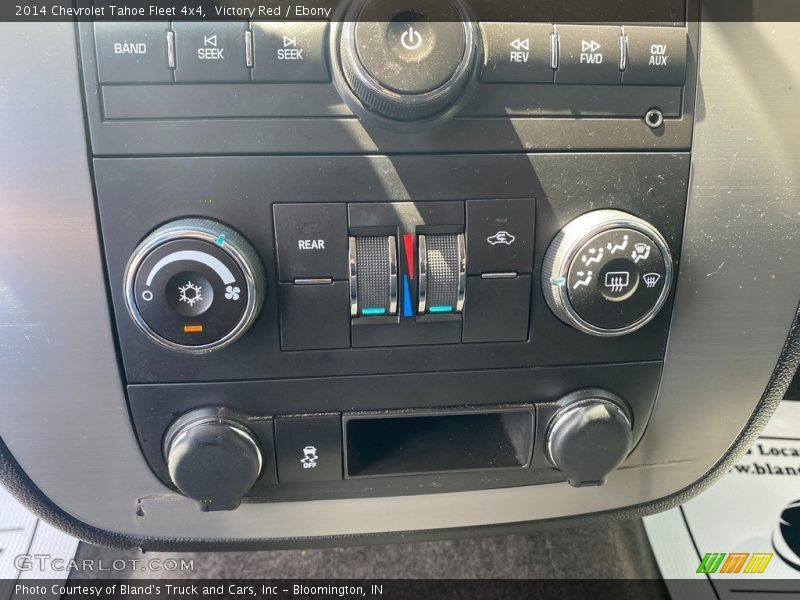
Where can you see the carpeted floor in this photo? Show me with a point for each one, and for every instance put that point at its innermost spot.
(609, 550)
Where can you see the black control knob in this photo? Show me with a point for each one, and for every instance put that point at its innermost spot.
(406, 61)
(194, 285)
(607, 273)
(589, 437)
(212, 458)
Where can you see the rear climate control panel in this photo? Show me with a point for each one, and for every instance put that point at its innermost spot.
(404, 251)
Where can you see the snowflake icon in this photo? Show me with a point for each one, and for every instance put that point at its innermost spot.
(232, 292)
(190, 293)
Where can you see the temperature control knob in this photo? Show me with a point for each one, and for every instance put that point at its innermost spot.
(212, 457)
(607, 273)
(402, 61)
(194, 285)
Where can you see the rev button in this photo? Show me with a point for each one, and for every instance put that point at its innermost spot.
(517, 52)
(311, 241)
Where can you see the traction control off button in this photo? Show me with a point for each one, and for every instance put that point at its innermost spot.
(309, 448)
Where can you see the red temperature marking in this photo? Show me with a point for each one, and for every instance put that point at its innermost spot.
(408, 242)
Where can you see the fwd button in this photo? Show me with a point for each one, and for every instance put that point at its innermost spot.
(589, 54)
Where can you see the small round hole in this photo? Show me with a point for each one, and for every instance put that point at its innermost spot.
(654, 118)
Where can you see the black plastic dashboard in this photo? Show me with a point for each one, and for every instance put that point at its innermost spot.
(366, 301)
(383, 294)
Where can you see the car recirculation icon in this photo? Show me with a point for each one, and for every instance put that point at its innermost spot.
(501, 237)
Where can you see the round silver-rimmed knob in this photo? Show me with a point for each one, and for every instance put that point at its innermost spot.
(405, 62)
(194, 285)
(607, 273)
(212, 457)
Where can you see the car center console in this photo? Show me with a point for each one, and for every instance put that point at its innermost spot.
(410, 308)
(400, 268)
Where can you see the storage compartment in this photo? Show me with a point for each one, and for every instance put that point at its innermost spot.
(435, 442)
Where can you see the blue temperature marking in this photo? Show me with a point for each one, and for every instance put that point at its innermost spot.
(373, 311)
(408, 310)
(440, 309)
(220, 240)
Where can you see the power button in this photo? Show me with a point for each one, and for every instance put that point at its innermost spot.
(410, 51)
(406, 61)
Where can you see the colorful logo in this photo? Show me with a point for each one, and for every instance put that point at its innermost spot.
(734, 562)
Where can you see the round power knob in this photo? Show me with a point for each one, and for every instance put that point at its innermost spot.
(212, 458)
(405, 61)
(589, 437)
(194, 285)
(607, 273)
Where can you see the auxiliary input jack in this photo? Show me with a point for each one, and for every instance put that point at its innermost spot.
(654, 118)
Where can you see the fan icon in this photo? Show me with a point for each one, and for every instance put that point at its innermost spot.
(232, 292)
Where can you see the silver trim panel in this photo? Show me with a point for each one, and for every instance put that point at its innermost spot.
(352, 261)
(392, 275)
(422, 274)
(462, 272)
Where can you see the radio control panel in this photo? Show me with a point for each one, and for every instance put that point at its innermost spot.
(377, 71)
(298, 51)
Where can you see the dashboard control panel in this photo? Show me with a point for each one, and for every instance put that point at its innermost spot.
(392, 252)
